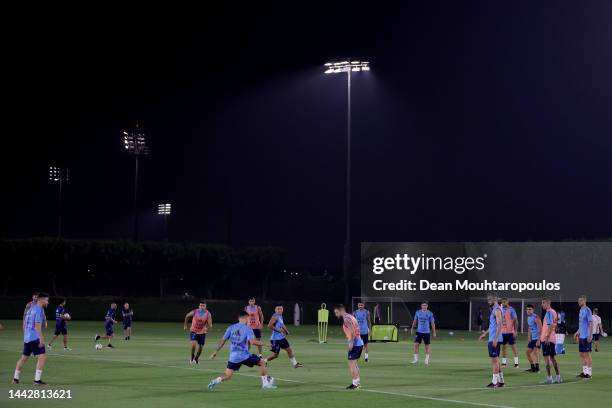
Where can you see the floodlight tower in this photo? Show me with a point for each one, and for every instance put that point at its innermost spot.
(59, 176)
(347, 66)
(134, 142)
(165, 209)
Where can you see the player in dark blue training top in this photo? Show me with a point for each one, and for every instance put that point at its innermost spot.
(109, 321)
(61, 327)
(127, 314)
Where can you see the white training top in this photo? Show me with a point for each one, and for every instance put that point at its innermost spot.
(596, 324)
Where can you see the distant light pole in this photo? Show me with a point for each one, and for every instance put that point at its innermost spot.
(135, 143)
(339, 67)
(165, 209)
(59, 176)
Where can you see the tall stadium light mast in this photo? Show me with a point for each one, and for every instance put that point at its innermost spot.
(347, 66)
(165, 209)
(134, 142)
(59, 176)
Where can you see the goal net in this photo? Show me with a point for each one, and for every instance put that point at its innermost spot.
(385, 310)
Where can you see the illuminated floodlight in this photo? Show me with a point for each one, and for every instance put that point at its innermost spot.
(134, 141)
(58, 175)
(164, 209)
(346, 66)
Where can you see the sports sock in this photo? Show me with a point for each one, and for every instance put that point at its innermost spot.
(495, 379)
(366, 355)
(585, 370)
(416, 357)
(264, 379)
(293, 360)
(590, 370)
(426, 358)
(356, 381)
(501, 377)
(217, 380)
(537, 366)
(504, 361)
(38, 375)
(516, 360)
(533, 367)
(17, 374)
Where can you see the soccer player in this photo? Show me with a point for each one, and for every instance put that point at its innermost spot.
(127, 314)
(355, 343)
(423, 319)
(256, 319)
(278, 339)
(509, 328)
(584, 337)
(561, 332)
(547, 340)
(201, 321)
(597, 328)
(27, 307)
(61, 326)
(534, 327)
(241, 336)
(33, 339)
(495, 339)
(365, 324)
(109, 322)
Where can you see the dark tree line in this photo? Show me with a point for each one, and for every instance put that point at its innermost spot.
(96, 267)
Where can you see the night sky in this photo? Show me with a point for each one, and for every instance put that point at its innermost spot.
(478, 121)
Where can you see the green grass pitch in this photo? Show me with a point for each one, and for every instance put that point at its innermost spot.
(151, 370)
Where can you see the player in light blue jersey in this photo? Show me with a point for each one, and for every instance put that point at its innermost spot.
(33, 339)
(241, 336)
(365, 325)
(494, 332)
(584, 338)
(423, 320)
(278, 339)
(534, 328)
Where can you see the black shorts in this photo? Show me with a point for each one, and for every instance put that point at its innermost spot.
(584, 346)
(109, 329)
(596, 336)
(251, 361)
(494, 351)
(355, 353)
(424, 337)
(61, 330)
(32, 347)
(200, 338)
(532, 344)
(365, 338)
(508, 338)
(277, 345)
(257, 333)
(127, 325)
(549, 349)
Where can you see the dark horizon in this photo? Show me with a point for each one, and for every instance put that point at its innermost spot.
(478, 121)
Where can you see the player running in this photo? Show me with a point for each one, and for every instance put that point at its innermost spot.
(127, 314)
(201, 321)
(547, 339)
(509, 329)
(597, 329)
(365, 325)
(109, 322)
(534, 327)
(241, 336)
(423, 319)
(33, 339)
(256, 319)
(584, 337)
(278, 339)
(355, 343)
(61, 327)
(495, 339)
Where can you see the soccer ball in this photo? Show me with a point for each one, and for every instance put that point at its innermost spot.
(67, 316)
(98, 346)
(604, 334)
(451, 333)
